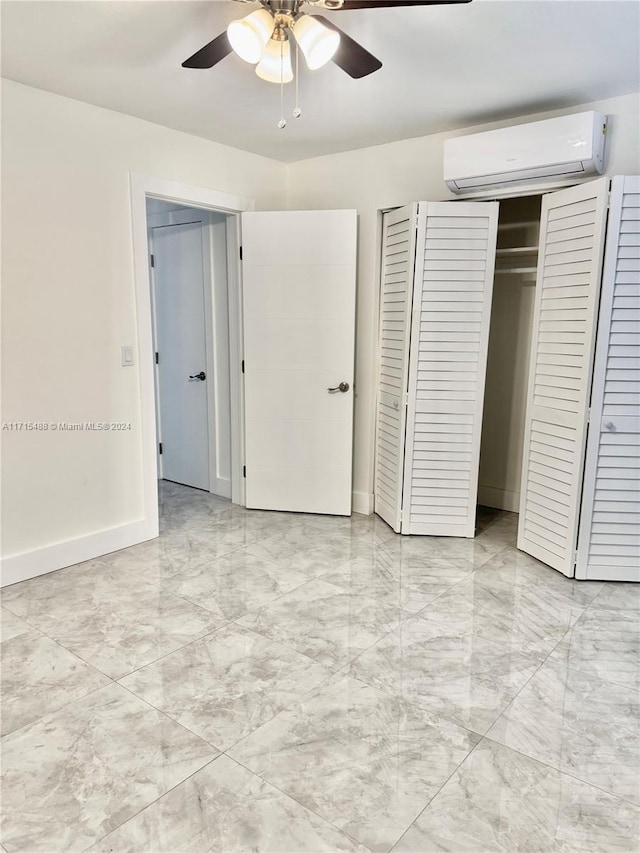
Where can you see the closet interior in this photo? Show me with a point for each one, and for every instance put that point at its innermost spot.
(510, 327)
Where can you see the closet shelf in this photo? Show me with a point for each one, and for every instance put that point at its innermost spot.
(512, 226)
(517, 270)
(519, 250)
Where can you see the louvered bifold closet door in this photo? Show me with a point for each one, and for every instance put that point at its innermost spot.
(609, 538)
(572, 232)
(398, 258)
(455, 256)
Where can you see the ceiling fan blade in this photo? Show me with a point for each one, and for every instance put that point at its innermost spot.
(210, 54)
(377, 4)
(351, 56)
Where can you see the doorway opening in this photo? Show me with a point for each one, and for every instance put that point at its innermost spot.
(223, 211)
(190, 313)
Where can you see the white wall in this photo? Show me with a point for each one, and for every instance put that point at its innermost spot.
(68, 294)
(391, 175)
(68, 302)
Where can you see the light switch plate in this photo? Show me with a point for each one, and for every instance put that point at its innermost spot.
(127, 356)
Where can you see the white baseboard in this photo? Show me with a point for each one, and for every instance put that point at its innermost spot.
(499, 498)
(628, 574)
(33, 563)
(362, 503)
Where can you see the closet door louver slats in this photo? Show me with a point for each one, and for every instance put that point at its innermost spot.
(609, 540)
(398, 258)
(567, 292)
(450, 329)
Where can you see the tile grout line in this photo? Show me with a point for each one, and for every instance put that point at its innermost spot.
(152, 803)
(342, 671)
(487, 734)
(116, 679)
(286, 707)
(293, 648)
(579, 669)
(330, 675)
(300, 803)
(73, 654)
(531, 677)
(380, 599)
(415, 704)
(171, 719)
(562, 772)
(63, 707)
(436, 715)
(161, 657)
(446, 782)
(157, 660)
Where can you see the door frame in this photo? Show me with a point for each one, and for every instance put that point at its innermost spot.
(141, 188)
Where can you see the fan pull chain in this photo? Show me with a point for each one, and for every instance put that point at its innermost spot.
(297, 111)
(283, 122)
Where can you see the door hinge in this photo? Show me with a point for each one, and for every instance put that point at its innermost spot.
(240, 252)
(575, 559)
(244, 471)
(153, 260)
(157, 358)
(243, 365)
(160, 448)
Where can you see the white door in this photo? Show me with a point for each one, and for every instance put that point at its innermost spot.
(398, 259)
(572, 230)
(609, 538)
(299, 333)
(178, 277)
(455, 256)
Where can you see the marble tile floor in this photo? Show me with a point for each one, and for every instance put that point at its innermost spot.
(255, 681)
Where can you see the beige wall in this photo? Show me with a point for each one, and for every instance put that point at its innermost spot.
(68, 302)
(391, 175)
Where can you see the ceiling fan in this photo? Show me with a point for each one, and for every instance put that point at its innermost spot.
(263, 38)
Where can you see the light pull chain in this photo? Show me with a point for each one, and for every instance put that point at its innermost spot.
(297, 112)
(283, 122)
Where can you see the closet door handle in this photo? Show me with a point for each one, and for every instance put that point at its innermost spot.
(201, 376)
(343, 386)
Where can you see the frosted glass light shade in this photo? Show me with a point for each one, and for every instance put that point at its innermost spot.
(249, 35)
(275, 65)
(317, 42)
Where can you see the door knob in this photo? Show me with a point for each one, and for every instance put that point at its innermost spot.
(202, 376)
(343, 386)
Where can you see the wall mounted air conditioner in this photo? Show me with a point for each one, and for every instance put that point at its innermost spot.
(554, 150)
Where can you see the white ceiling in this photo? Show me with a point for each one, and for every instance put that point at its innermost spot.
(444, 67)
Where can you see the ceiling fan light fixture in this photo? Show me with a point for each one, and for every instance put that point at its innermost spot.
(275, 65)
(317, 42)
(249, 36)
